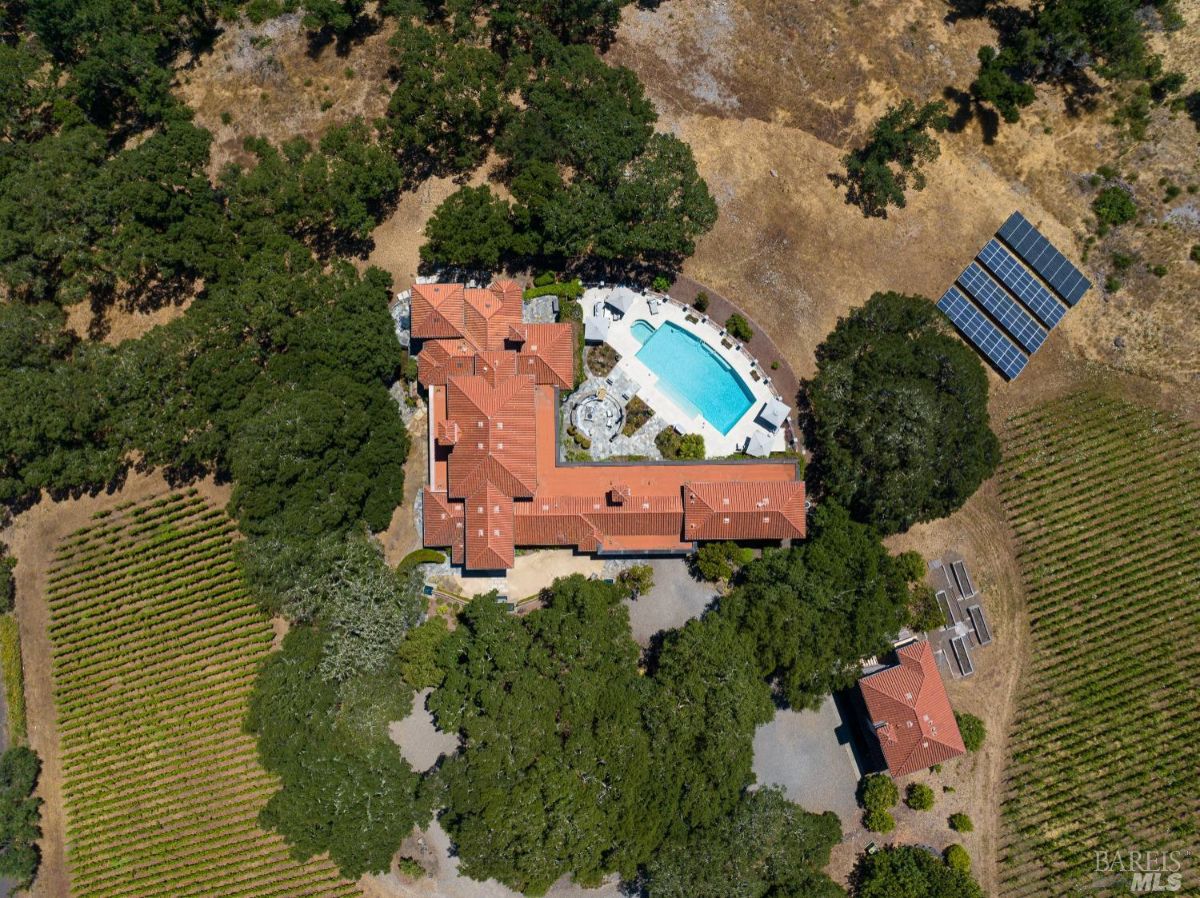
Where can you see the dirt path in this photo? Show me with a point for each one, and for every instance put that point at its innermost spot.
(33, 538)
(401, 536)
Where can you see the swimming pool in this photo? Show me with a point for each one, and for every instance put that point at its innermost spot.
(641, 331)
(692, 374)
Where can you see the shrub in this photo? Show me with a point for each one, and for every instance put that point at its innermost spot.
(924, 614)
(972, 730)
(1123, 261)
(636, 580)
(410, 868)
(700, 303)
(1159, 271)
(957, 858)
(420, 556)
(409, 369)
(674, 445)
(877, 792)
(579, 437)
(1114, 206)
(961, 823)
(569, 290)
(919, 797)
(879, 821)
(545, 279)
(8, 589)
(718, 561)
(1112, 284)
(1108, 172)
(739, 327)
(661, 284)
(1164, 86)
(1194, 255)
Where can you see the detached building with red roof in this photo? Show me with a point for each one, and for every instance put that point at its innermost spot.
(910, 712)
(495, 481)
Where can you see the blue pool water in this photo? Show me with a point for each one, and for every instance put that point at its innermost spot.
(641, 331)
(692, 374)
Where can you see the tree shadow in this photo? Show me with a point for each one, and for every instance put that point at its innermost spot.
(968, 9)
(967, 109)
(1191, 105)
(856, 196)
(342, 42)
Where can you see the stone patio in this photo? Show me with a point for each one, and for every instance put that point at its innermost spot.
(608, 441)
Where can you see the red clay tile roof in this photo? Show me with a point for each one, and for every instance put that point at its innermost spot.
(496, 442)
(436, 311)
(495, 465)
(488, 314)
(548, 353)
(913, 719)
(735, 510)
(442, 522)
(442, 359)
(489, 530)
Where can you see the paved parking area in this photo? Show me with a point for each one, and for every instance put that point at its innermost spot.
(809, 754)
(675, 599)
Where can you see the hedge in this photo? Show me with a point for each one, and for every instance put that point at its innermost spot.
(14, 678)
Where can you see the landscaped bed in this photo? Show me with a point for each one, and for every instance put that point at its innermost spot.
(637, 414)
(601, 359)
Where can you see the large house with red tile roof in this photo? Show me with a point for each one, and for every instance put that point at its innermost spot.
(910, 712)
(495, 481)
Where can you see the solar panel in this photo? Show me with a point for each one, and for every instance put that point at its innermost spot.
(986, 336)
(980, 624)
(962, 655)
(1023, 285)
(965, 586)
(1028, 243)
(993, 299)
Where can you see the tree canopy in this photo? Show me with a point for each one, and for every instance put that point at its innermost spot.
(20, 815)
(554, 767)
(813, 611)
(766, 847)
(898, 415)
(907, 871)
(880, 172)
(345, 787)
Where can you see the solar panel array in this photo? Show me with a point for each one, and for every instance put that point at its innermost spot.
(1023, 285)
(1028, 243)
(993, 299)
(1002, 307)
(987, 338)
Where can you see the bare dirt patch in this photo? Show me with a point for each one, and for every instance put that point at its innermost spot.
(115, 324)
(770, 95)
(268, 80)
(32, 538)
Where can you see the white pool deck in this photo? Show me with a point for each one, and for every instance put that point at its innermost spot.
(656, 309)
